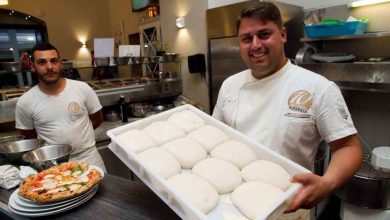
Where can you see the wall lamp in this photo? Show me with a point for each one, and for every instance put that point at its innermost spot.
(84, 44)
(181, 22)
(366, 2)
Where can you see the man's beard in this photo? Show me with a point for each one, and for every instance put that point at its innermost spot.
(42, 78)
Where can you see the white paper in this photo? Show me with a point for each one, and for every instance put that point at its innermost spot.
(103, 47)
(129, 50)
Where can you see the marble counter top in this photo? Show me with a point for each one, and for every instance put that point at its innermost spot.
(101, 131)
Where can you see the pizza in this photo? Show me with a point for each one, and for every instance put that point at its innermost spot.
(60, 182)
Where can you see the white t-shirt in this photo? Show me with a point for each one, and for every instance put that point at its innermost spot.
(62, 118)
(290, 111)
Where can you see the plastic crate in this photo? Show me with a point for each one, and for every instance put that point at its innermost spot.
(184, 208)
(335, 29)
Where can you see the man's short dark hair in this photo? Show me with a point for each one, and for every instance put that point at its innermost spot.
(265, 11)
(42, 47)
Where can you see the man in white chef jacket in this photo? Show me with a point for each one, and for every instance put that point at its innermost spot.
(59, 110)
(288, 108)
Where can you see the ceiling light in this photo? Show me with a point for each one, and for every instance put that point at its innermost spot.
(366, 2)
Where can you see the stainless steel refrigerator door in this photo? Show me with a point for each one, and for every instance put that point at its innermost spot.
(225, 61)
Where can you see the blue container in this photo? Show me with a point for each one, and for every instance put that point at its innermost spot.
(335, 29)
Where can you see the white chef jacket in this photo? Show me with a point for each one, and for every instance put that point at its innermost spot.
(290, 111)
(62, 118)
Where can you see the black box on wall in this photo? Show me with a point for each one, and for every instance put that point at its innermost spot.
(197, 63)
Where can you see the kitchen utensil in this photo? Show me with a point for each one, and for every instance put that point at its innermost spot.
(112, 116)
(12, 67)
(14, 151)
(140, 109)
(304, 55)
(137, 60)
(102, 61)
(9, 139)
(332, 57)
(170, 57)
(121, 61)
(47, 156)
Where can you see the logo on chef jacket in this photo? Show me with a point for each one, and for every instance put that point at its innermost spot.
(73, 107)
(300, 101)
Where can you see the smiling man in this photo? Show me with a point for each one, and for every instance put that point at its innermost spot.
(287, 108)
(59, 110)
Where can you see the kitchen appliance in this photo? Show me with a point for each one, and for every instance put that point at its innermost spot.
(223, 52)
(367, 194)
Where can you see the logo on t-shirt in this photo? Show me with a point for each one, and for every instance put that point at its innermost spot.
(300, 101)
(73, 107)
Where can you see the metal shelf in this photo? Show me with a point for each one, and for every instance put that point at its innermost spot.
(347, 37)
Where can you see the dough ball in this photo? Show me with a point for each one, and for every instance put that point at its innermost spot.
(160, 161)
(196, 190)
(223, 175)
(186, 120)
(162, 132)
(235, 152)
(136, 140)
(268, 172)
(253, 198)
(208, 136)
(187, 151)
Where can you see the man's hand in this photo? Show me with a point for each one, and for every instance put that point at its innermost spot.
(315, 188)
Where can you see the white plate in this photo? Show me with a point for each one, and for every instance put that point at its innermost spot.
(59, 202)
(31, 204)
(14, 207)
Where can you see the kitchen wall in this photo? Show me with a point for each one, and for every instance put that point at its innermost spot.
(187, 41)
(72, 21)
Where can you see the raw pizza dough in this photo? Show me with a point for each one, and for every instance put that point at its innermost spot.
(187, 151)
(136, 140)
(268, 172)
(235, 152)
(223, 175)
(253, 198)
(208, 136)
(162, 132)
(186, 120)
(160, 161)
(196, 190)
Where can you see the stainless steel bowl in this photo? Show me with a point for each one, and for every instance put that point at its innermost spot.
(102, 61)
(140, 109)
(12, 66)
(170, 57)
(121, 61)
(48, 156)
(14, 151)
(137, 60)
(9, 139)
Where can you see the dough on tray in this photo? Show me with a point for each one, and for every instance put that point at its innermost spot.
(268, 172)
(235, 152)
(223, 175)
(208, 136)
(253, 198)
(195, 189)
(160, 161)
(136, 140)
(186, 150)
(186, 120)
(162, 132)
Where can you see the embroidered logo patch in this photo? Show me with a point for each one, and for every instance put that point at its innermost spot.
(73, 107)
(300, 101)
